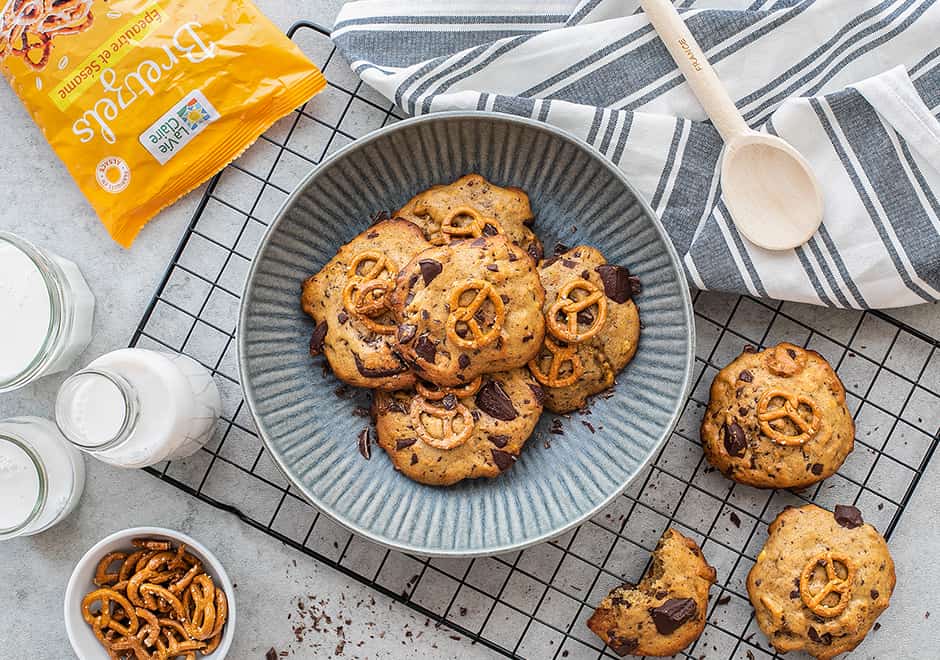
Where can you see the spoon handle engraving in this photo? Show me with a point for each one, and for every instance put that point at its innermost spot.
(701, 77)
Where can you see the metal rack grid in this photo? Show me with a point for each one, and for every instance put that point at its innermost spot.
(534, 603)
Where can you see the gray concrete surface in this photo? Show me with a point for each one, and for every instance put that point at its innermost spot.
(41, 204)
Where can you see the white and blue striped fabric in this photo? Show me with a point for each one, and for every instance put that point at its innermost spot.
(853, 84)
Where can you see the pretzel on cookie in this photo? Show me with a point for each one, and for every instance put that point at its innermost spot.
(450, 437)
(561, 354)
(459, 391)
(467, 314)
(570, 309)
(789, 410)
(834, 584)
(359, 294)
(476, 228)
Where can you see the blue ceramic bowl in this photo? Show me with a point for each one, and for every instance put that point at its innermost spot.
(578, 197)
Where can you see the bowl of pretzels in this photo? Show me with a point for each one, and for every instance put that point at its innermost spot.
(149, 592)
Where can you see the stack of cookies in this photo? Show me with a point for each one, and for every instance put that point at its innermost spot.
(450, 313)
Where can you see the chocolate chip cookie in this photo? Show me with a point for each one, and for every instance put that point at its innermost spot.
(348, 301)
(468, 308)
(471, 207)
(592, 326)
(820, 581)
(777, 419)
(666, 611)
(440, 435)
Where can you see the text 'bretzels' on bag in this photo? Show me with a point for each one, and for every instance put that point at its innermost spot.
(144, 100)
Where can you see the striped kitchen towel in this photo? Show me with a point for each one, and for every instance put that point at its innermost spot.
(853, 84)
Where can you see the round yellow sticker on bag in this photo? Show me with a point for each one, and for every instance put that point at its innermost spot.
(144, 100)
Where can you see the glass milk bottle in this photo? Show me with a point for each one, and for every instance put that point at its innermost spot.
(135, 407)
(46, 311)
(41, 476)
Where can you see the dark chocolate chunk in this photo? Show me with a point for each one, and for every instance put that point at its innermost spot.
(548, 262)
(636, 287)
(404, 444)
(365, 445)
(735, 439)
(513, 257)
(378, 373)
(372, 234)
(560, 248)
(414, 458)
(795, 594)
(499, 440)
(848, 516)
(538, 393)
(425, 349)
(874, 594)
(669, 616)
(271, 654)
(616, 281)
(493, 268)
(342, 317)
(503, 459)
(746, 376)
(316, 339)
(489, 230)
(504, 298)
(449, 401)
(568, 263)
(622, 645)
(661, 594)
(430, 269)
(493, 400)
(535, 251)
(825, 638)
(463, 361)
(735, 520)
(395, 406)
(585, 275)
(791, 353)
(406, 332)
(816, 469)
(478, 242)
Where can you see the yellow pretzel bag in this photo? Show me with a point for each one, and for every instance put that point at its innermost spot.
(144, 100)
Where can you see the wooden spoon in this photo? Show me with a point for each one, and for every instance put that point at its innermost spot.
(773, 196)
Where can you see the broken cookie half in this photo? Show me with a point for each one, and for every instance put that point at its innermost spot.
(666, 611)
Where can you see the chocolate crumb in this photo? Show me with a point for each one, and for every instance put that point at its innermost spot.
(735, 520)
(724, 600)
(365, 445)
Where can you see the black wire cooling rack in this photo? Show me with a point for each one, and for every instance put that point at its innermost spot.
(534, 603)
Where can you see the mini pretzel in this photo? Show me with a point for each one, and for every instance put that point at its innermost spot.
(569, 308)
(834, 584)
(459, 391)
(789, 410)
(359, 293)
(465, 314)
(561, 354)
(474, 229)
(450, 437)
(102, 577)
(104, 619)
